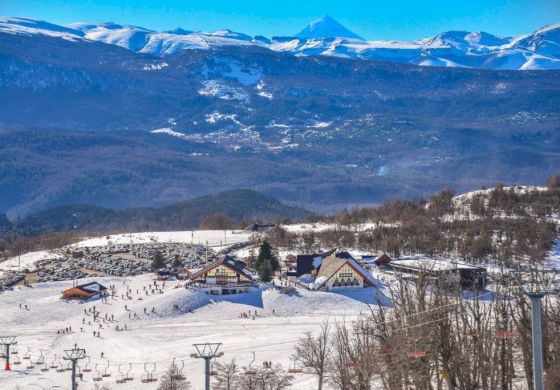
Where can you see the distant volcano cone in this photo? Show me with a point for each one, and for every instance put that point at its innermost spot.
(326, 27)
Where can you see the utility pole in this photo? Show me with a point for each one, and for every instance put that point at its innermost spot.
(535, 291)
(74, 355)
(7, 341)
(207, 351)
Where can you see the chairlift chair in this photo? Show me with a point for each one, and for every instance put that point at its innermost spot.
(148, 377)
(505, 335)
(122, 378)
(385, 350)
(179, 371)
(294, 369)
(41, 362)
(17, 361)
(87, 368)
(41, 359)
(54, 366)
(471, 332)
(416, 353)
(30, 364)
(60, 366)
(106, 373)
(129, 377)
(153, 376)
(97, 377)
(249, 370)
(27, 355)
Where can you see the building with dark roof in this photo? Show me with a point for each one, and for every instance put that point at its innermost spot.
(305, 264)
(225, 276)
(85, 291)
(467, 275)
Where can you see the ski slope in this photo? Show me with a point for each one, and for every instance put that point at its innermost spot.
(218, 239)
(167, 333)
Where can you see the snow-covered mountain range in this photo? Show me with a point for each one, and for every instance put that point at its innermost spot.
(535, 51)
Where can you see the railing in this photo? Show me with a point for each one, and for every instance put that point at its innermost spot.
(224, 285)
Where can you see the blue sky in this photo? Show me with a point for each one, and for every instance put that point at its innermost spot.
(372, 19)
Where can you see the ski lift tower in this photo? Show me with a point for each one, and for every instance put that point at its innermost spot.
(74, 355)
(7, 341)
(535, 289)
(207, 351)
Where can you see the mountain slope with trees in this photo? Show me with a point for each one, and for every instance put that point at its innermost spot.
(130, 129)
(235, 207)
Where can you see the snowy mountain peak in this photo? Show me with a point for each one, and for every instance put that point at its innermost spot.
(30, 26)
(464, 39)
(326, 27)
(326, 37)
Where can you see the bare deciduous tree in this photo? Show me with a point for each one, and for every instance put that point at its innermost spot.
(227, 377)
(170, 380)
(314, 353)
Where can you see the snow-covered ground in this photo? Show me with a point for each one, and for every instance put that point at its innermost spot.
(217, 239)
(166, 334)
(323, 226)
(26, 261)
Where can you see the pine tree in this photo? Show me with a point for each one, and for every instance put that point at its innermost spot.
(266, 262)
(158, 261)
(177, 261)
(265, 272)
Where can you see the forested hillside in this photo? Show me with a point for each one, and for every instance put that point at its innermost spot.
(223, 210)
(506, 225)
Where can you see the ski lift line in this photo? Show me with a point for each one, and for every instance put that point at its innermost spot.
(434, 309)
(445, 306)
(420, 324)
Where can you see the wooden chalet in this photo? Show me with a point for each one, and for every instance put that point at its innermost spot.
(183, 274)
(337, 270)
(225, 276)
(342, 270)
(85, 291)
